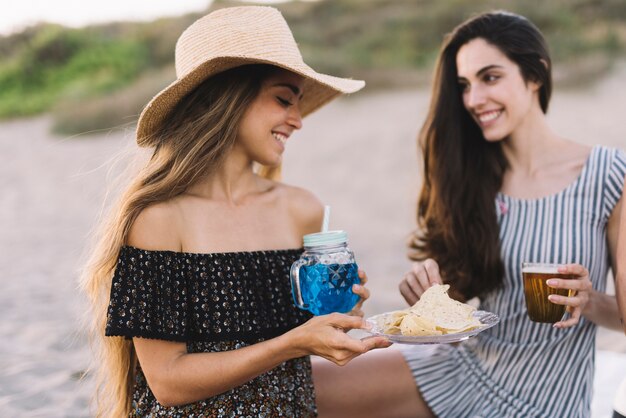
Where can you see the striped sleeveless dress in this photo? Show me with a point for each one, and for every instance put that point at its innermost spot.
(521, 368)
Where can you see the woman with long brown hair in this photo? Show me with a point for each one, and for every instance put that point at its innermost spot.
(190, 281)
(500, 188)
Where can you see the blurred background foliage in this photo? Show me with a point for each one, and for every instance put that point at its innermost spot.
(100, 77)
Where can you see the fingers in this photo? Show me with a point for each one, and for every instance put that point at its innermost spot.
(573, 301)
(354, 348)
(432, 268)
(362, 276)
(583, 284)
(375, 342)
(427, 273)
(579, 293)
(362, 291)
(418, 279)
(576, 269)
(343, 348)
(350, 345)
(325, 336)
(579, 290)
(337, 346)
(357, 309)
(420, 275)
(345, 322)
(570, 322)
(357, 312)
(408, 293)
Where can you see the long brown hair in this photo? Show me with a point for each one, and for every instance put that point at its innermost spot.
(456, 213)
(191, 143)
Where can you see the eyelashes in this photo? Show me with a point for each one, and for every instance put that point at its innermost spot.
(490, 78)
(487, 79)
(283, 102)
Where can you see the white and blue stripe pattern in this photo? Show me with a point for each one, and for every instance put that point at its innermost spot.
(521, 368)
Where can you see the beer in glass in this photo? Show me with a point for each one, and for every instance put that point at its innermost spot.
(536, 291)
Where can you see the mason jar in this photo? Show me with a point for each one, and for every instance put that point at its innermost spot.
(322, 278)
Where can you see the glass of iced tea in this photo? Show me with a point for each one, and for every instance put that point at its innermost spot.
(536, 291)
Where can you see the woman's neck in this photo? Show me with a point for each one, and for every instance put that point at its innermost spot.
(532, 145)
(231, 182)
(540, 163)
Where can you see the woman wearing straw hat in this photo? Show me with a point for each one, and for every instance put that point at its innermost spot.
(193, 264)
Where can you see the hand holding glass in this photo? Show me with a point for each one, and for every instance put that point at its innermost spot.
(536, 291)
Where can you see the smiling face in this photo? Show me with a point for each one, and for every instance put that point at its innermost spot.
(494, 91)
(271, 119)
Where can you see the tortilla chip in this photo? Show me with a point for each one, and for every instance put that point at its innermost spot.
(391, 322)
(418, 325)
(434, 314)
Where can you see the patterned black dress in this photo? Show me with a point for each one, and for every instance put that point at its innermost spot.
(213, 302)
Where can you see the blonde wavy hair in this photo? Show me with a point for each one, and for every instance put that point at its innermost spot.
(190, 144)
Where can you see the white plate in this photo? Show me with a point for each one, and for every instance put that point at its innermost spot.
(487, 319)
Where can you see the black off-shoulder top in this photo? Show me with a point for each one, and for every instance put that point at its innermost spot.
(213, 302)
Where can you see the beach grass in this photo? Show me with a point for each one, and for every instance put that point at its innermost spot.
(100, 76)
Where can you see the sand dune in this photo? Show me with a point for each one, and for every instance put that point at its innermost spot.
(358, 155)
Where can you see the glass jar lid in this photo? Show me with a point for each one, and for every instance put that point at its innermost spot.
(325, 238)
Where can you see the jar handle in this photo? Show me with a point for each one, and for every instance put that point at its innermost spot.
(294, 273)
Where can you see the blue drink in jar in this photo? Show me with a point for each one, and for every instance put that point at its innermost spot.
(322, 279)
(328, 287)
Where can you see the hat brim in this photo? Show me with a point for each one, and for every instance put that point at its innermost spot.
(318, 89)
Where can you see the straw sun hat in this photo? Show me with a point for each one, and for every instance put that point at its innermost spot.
(231, 37)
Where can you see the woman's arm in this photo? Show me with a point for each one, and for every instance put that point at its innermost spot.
(598, 307)
(177, 377)
(602, 308)
(620, 262)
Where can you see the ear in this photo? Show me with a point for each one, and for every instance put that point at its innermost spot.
(545, 64)
(536, 85)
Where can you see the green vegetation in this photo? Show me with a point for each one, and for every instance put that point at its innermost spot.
(373, 37)
(66, 61)
(48, 63)
(101, 76)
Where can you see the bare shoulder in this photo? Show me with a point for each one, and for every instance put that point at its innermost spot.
(306, 209)
(156, 228)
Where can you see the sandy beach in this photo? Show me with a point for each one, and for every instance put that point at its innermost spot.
(358, 155)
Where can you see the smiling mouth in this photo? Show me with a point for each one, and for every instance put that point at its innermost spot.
(280, 137)
(487, 117)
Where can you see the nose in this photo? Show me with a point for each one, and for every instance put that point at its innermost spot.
(474, 97)
(294, 118)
